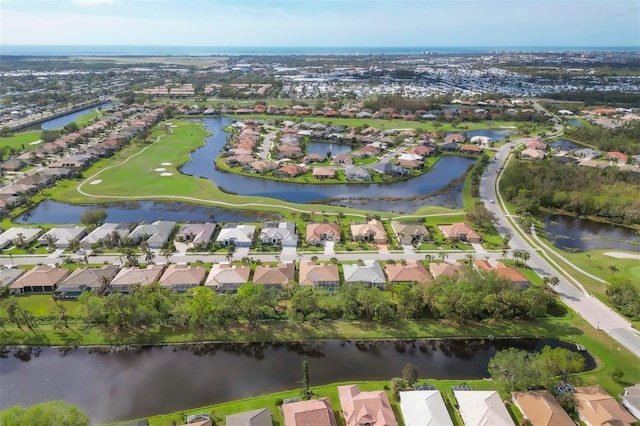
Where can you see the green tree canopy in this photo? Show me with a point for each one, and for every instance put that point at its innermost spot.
(52, 413)
(93, 217)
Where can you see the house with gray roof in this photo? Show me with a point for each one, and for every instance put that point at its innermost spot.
(13, 235)
(587, 153)
(128, 277)
(237, 235)
(104, 233)
(259, 417)
(357, 173)
(86, 279)
(284, 235)
(61, 237)
(156, 234)
(196, 235)
(9, 275)
(370, 273)
(410, 232)
(390, 169)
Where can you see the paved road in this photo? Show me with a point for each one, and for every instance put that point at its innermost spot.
(573, 294)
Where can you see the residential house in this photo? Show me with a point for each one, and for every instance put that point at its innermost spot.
(369, 273)
(372, 231)
(362, 408)
(315, 412)
(324, 275)
(448, 146)
(19, 236)
(236, 235)
(344, 159)
(460, 232)
(263, 166)
(181, 278)
(470, 149)
(131, 276)
(61, 237)
(565, 160)
(313, 158)
(196, 235)
(455, 137)
(411, 164)
(290, 171)
(318, 233)
(9, 275)
(618, 157)
(484, 141)
(284, 235)
(105, 233)
(631, 400)
(357, 173)
(595, 407)
(424, 408)
(156, 234)
(445, 268)
(225, 277)
(481, 408)
(390, 169)
(41, 279)
(541, 408)
(324, 173)
(532, 154)
(259, 417)
(410, 232)
(275, 276)
(513, 275)
(536, 144)
(86, 279)
(413, 272)
(587, 153)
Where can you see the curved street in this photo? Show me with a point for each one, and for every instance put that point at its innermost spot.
(570, 290)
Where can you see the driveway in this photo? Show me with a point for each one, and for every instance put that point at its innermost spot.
(329, 247)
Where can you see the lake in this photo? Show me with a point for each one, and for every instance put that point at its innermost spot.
(59, 122)
(120, 385)
(49, 211)
(201, 164)
(573, 234)
(564, 145)
(323, 147)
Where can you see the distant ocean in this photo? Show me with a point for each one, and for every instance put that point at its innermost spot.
(42, 50)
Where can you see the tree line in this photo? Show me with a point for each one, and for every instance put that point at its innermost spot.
(624, 138)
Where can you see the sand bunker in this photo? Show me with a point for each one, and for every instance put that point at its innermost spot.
(173, 126)
(165, 164)
(35, 142)
(621, 255)
(166, 174)
(95, 182)
(160, 169)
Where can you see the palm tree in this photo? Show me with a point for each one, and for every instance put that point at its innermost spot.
(74, 245)
(20, 240)
(115, 238)
(613, 268)
(428, 258)
(469, 258)
(525, 255)
(168, 251)
(149, 255)
(230, 251)
(443, 255)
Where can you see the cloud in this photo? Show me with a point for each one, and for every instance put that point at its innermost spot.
(92, 2)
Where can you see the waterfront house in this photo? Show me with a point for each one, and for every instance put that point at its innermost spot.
(362, 408)
(410, 232)
(369, 273)
(424, 408)
(236, 235)
(41, 279)
(86, 279)
(284, 235)
(470, 149)
(131, 276)
(313, 158)
(259, 417)
(511, 274)
(587, 153)
(275, 276)
(104, 234)
(411, 164)
(532, 154)
(315, 412)
(155, 234)
(447, 269)
(324, 173)
(372, 231)
(225, 277)
(196, 235)
(61, 237)
(344, 159)
(455, 137)
(448, 146)
(412, 272)
(19, 236)
(356, 173)
(390, 169)
(536, 144)
(481, 408)
(318, 233)
(595, 407)
(541, 408)
(290, 171)
(181, 278)
(323, 275)
(460, 232)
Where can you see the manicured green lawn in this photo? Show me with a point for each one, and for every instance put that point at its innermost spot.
(43, 304)
(18, 140)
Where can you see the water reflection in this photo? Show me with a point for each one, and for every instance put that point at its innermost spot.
(573, 234)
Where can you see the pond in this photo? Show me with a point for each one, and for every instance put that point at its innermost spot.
(323, 147)
(564, 145)
(120, 385)
(201, 164)
(59, 122)
(49, 211)
(575, 122)
(574, 234)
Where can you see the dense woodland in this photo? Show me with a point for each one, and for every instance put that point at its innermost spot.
(608, 193)
(624, 139)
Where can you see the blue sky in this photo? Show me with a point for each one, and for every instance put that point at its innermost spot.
(352, 23)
